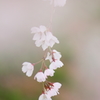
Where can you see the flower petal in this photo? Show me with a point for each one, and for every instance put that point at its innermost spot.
(35, 30)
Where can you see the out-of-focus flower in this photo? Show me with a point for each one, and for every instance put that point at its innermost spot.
(40, 76)
(51, 39)
(57, 85)
(59, 3)
(53, 89)
(55, 64)
(49, 72)
(43, 37)
(41, 29)
(57, 54)
(27, 68)
(54, 56)
(44, 97)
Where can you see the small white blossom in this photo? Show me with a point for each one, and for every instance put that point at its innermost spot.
(41, 29)
(43, 37)
(49, 72)
(40, 77)
(54, 90)
(27, 68)
(55, 55)
(59, 3)
(56, 3)
(57, 85)
(44, 97)
(56, 64)
(50, 39)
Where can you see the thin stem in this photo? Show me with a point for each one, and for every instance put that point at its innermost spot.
(45, 54)
(51, 19)
(39, 61)
(42, 65)
(50, 50)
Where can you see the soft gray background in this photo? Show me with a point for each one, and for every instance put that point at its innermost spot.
(76, 25)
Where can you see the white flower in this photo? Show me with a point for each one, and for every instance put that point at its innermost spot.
(40, 77)
(55, 55)
(42, 43)
(37, 30)
(59, 3)
(43, 37)
(57, 85)
(52, 92)
(27, 68)
(50, 39)
(49, 72)
(44, 97)
(54, 89)
(56, 64)
(39, 33)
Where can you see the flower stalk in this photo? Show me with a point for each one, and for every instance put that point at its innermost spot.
(44, 38)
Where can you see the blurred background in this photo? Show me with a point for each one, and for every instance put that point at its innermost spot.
(76, 25)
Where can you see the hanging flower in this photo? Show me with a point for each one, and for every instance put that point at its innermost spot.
(55, 55)
(43, 37)
(49, 72)
(52, 89)
(51, 39)
(56, 64)
(44, 97)
(40, 77)
(27, 68)
(56, 3)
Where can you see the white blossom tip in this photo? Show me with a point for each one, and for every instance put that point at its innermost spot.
(27, 68)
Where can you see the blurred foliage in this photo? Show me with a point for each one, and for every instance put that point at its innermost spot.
(8, 94)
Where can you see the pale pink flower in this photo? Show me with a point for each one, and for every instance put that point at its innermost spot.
(55, 55)
(51, 39)
(39, 33)
(49, 72)
(27, 68)
(43, 37)
(40, 77)
(54, 89)
(57, 85)
(35, 30)
(41, 29)
(59, 3)
(56, 3)
(44, 97)
(52, 92)
(55, 64)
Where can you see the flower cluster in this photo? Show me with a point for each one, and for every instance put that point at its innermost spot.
(50, 89)
(45, 38)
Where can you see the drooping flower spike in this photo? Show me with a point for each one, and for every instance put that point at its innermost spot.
(45, 39)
